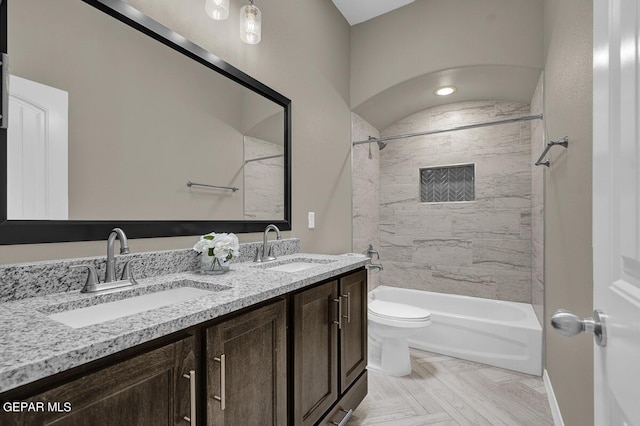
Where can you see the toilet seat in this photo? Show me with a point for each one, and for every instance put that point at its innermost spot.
(397, 314)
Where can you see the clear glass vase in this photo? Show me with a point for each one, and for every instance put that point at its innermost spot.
(211, 265)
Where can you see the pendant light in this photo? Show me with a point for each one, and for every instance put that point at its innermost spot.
(250, 24)
(217, 9)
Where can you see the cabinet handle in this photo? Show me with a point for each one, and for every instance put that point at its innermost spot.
(348, 316)
(345, 419)
(192, 393)
(339, 322)
(223, 382)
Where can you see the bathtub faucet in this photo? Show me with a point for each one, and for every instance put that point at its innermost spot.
(371, 252)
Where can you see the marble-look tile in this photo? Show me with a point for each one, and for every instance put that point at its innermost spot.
(413, 222)
(513, 286)
(537, 300)
(537, 221)
(406, 149)
(461, 280)
(525, 225)
(511, 254)
(405, 275)
(399, 193)
(517, 184)
(263, 180)
(502, 161)
(486, 224)
(501, 209)
(486, 138)
(443, 251)
(397, 248)
(537, 263)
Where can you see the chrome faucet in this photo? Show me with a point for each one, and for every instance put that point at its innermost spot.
(110, 274)
(266, 254)
(370, 253)
(93, 283)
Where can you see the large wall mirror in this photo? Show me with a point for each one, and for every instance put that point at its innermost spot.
(123, 122)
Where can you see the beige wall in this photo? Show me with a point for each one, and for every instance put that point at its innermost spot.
(428, 36)
(568, 256)
(306, 60)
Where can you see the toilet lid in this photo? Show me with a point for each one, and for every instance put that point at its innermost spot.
(391, 310)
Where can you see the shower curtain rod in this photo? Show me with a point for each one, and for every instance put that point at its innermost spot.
(453, 129)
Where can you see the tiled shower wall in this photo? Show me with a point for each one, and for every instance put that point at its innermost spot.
(480, 248)
(263, 180)
(366, 191)
(537, 206)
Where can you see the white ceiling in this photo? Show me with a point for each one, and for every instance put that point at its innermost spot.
(357, 11)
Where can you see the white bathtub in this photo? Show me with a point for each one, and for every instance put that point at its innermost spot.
(493, 332)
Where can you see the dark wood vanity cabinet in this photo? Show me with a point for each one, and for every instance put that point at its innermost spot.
(247, 369)
(297, 360)
(150, 389)
(330, 349)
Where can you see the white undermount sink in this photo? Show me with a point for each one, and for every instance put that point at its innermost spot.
(294, 267)
(99, 313)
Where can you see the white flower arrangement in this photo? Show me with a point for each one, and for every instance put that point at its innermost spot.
(223, 246)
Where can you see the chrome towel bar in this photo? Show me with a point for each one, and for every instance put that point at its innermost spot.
(232, 188)
(562, 142)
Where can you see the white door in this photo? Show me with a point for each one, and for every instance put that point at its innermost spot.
(616, 209)
(37, 162)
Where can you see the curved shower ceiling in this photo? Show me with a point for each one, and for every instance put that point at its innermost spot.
(475, 83)
(488, 49)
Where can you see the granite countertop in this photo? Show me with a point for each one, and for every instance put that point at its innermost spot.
(34, 346)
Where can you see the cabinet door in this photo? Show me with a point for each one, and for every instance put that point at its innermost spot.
(315, 352)
(353, 335)
(246, 369)
(146, 390)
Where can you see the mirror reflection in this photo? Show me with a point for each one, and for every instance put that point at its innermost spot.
(91, 99)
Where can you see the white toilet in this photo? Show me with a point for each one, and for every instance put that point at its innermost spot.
(390, 324)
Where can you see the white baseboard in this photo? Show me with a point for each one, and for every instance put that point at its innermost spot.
(555, 409)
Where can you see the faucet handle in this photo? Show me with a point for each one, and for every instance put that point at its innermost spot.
(92, 277)
(257, 257)
(127, 272)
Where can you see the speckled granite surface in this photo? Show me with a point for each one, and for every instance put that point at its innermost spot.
(34, 346)
(24, 280)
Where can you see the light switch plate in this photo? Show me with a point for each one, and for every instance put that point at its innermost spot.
(312, 220)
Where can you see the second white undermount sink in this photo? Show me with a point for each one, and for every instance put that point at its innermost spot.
(294, 267)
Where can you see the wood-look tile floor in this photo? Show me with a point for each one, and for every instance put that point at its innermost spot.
(448, 391)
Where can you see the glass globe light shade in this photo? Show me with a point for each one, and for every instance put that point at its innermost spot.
(250, 24)
(217, 9)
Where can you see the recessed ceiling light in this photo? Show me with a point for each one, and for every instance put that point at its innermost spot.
(444, 91)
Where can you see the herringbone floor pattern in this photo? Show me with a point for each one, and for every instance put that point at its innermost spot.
(444, 391)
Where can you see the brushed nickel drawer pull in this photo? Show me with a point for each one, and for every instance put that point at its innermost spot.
(339, 322)
(223, 382)
(192, 393)
(345, 419)
(348, 316)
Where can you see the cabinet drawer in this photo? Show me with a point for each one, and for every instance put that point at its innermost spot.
(349, 401)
